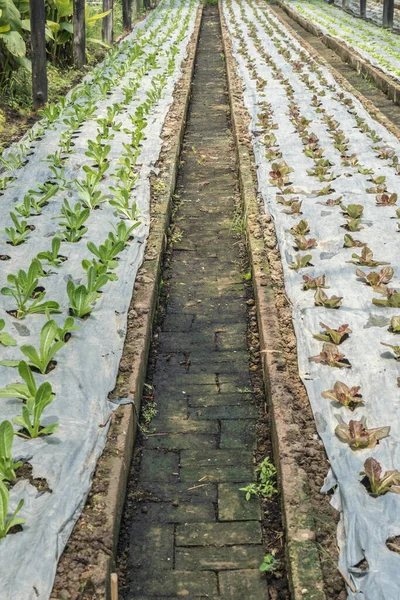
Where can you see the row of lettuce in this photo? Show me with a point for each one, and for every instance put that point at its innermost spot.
(328, 178)
(105, 185)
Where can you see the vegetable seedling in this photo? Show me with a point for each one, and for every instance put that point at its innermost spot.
(22, 289)
(5, 338)
(51, 256)
(335, 336)
(48, 347)
(7, 464)
(366, 259)
(344, 395)
(22, 391)
(331, 356)
(8, 523)
(269, 564)
(358, 436)
(32, 412)
(81, 299)
(19, 232)
(379, 483)
(321, 299)
(313, 283)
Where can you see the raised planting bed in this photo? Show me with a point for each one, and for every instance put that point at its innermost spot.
(78, 189)
(380, 47)
(327, 174)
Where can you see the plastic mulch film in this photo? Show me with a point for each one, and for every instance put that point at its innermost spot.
(87, 365)
(378, 46)
(366, 522)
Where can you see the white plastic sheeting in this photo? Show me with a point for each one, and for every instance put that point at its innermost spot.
(366, 522)
(374, 10)
(378, 46)
(87, 365)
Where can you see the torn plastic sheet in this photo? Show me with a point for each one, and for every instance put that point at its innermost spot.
(366, 38)
(87, 365)
(366, 522)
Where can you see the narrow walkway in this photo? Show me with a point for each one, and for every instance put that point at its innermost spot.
(201, 539)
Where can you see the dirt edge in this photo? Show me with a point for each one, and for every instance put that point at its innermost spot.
(304, 568)
(388, 85)
(113, 467)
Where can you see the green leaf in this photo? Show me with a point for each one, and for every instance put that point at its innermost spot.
(6, 439)
(9, 363)
(7, 340)
(14, 42)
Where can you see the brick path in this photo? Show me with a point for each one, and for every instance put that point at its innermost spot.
(201, 539)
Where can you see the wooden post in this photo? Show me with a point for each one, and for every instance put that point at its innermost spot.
(108, 25)
(38, 41)
(363, 9)
(114, 586)
(79, 33)
(388, 13)
(126, 15)
(138, 8)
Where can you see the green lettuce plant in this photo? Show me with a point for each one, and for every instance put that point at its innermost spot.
(22, 287)
(7, 464)
(8, 523)
(19, 232)
(30, 420)
(51, 256)
(81, 299)
(301, 262)
(366, 259)
(350, 242)
(300, 229)
(395, 325)
(22, 391)
(313, 283)
(5, 338)
(352, 211)
(321, 299)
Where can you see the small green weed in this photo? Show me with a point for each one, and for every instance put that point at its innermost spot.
(265, 486)
(269, 564)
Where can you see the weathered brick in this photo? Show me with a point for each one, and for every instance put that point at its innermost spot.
(179, 441)
(161, 464)
(232, 503)
(237, 434)
(180, 425)
(236, 585)
(218, 534)
(205, 458)
(177, 512)
(220, 412)
(216, 399)
(182, 584)
(215, 473)
(204, 491)
(218, 559)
